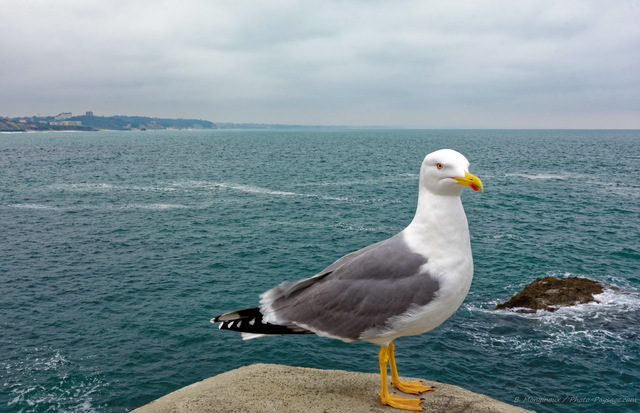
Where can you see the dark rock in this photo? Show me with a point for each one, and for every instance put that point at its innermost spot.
(550, 293)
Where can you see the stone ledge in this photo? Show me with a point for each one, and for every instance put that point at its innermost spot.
(267, 388)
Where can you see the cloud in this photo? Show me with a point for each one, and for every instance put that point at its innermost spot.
(409, 63)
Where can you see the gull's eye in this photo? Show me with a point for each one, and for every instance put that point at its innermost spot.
(439, 165)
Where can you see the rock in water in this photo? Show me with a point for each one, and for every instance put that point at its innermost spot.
(550, 293)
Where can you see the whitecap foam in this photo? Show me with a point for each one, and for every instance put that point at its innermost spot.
(106, 187)
(233, 186)
(507, 236)
(84, 187)
(161, 207)
(256, 189)
(193, 185)
(544, 176)
(609, 304)
(357, 182)
(252, 189)
(68, 386)
(604, 324)
(612, 300)
(155, 207)
(362, 228)
(333, 198)
(54, 362)
(148, 188)
(267, 191)
(34, 206)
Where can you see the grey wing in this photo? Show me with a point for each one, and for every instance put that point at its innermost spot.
(285, 289)
(358, 292)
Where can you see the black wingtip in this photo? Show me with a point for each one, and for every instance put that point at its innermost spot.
(250, 320)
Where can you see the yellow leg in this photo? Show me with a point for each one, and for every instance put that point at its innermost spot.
(411, 387)
(391, 399)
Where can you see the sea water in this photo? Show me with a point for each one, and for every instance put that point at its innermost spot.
(118, 247)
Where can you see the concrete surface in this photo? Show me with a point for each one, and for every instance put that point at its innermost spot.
(262, 388)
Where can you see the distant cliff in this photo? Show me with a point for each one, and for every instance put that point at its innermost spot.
(141, 122)
(7, 125)
(90, 122)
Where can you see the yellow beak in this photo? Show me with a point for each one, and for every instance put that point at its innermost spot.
(471, 181)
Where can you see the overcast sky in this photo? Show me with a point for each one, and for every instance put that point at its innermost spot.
(432, 64)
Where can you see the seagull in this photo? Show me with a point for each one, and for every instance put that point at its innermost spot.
(403, 286)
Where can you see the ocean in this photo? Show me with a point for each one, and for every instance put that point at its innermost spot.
(118, 247)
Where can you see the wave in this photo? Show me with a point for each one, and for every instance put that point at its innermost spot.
(35, 206)
(255, 189)
(385, 229)
(623, 190)
(105, 187)
(357, 182)
(82, 187)
(45, 377)
(252, 189)
(611, 302)
(259, 190)
(601, 185)
(544, 176)
(608, 323)
(154, 207)
(507, 236)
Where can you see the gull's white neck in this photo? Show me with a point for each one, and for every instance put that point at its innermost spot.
(439, 229)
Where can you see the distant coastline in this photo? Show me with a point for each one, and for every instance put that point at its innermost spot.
(90, 122)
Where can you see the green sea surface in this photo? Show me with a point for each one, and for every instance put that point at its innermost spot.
(116, 248)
